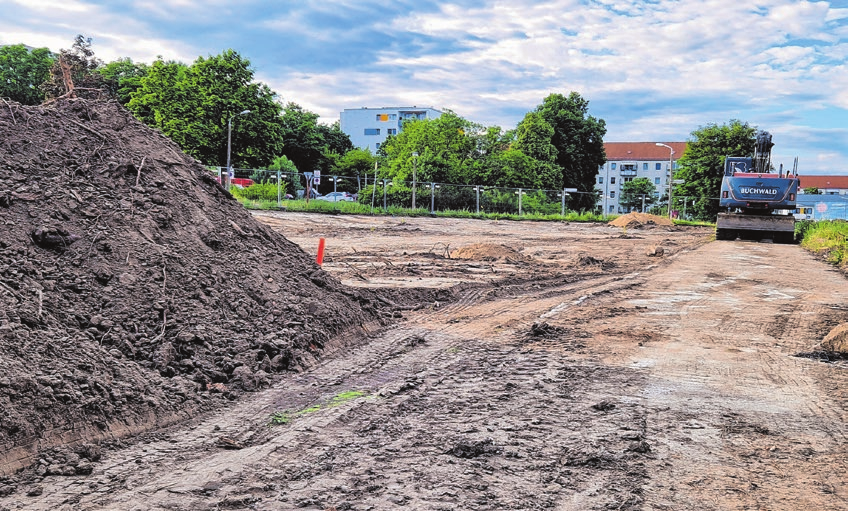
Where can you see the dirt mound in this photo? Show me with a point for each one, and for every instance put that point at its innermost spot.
(836, 341)
(488, 252)
(134, 291)
(640, 221)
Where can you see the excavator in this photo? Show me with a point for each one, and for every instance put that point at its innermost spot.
(757, 202)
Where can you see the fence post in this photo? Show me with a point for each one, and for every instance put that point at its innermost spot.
(279, 190)
(563, 202)
(477, 188)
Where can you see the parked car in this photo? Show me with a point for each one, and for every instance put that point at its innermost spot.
(337, 197)
(312, 194)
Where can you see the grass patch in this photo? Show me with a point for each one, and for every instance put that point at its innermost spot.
(827, 238)
(355, 208)
(286, 416)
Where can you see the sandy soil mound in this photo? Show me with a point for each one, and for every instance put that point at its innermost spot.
(488, 252)
(640, 221)
(836, 341)
(133, 287)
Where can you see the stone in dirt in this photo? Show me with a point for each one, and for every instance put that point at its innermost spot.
(131, 283)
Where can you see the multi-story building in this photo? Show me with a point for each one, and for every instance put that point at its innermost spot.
(627, 161)
(369, 127)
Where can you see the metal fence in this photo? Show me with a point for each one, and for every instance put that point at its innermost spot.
(385, 194)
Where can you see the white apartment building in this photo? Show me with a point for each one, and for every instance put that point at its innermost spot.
(369, 127)
(627, 161)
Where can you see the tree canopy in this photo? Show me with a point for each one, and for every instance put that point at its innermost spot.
(194, 105)
(633, 192)
(23, 71)
(702, 165)
(579, 141)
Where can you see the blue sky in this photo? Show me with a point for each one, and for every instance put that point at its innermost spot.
(654, 70)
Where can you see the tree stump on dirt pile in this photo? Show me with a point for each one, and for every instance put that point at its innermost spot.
(837, 340)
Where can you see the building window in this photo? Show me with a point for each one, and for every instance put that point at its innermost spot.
(659, 166)
(611, 208)
(612, 166)
(372, 131)
(612, 194)
(600, 180)
(628, 179)
(644, 166)
(656, 180)
(612, 179)
(377, 145)
(391, 131)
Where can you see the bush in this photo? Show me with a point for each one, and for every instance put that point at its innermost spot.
(259, 192)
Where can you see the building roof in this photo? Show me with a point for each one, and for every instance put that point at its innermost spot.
(623, 151)
(823, 182)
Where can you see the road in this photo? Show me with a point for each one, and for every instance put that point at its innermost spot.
(579, 374)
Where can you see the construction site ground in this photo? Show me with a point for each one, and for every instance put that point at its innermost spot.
(579, 366)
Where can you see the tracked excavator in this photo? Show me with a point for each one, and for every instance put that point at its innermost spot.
(755, 202)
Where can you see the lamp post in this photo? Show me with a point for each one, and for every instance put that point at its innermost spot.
(229, 144)
(414, 176)
(670, 173)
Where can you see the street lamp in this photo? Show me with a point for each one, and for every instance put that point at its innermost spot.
(229, 143)
(670, 173)
(414, 175)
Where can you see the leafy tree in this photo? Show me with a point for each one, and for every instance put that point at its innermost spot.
(514, 169)
(73, 72)
(122, 77)
(812, 190)
(534, 138)
(22, 71)
(702, 165)
(193, 104)
(303, 141)
(356, 162)
(447, 149)
(633, 191)
(579, 141)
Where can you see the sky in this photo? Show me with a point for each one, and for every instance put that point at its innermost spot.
(653, 70)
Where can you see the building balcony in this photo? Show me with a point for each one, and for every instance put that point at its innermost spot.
(628, 173)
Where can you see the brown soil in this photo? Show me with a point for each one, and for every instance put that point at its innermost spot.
(647, 371)
(488, 252)
(641, 221)
(134, 291)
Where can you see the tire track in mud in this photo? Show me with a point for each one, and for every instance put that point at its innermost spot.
(454, 415)
(729, 395)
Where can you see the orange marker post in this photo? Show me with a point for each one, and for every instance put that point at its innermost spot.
(320, 258)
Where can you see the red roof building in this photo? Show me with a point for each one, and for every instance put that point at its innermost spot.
(831, 185)
(627, 161)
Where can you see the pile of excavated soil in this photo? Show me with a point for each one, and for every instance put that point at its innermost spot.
(134, 291)
(836, 341)
(488, 252)
(640, 221)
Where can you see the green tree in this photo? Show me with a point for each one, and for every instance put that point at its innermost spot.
(633, 191)
(303, 141)
(22, 71)
(193, 104)
(447, 149)
(534, 136)
(514, 169)
(701, 167)
(122, 77)
(579, 142)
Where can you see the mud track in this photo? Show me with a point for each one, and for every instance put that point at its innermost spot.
(583, 375)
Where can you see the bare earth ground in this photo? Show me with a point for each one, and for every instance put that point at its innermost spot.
(574, 372)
